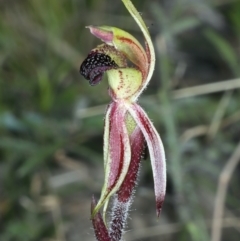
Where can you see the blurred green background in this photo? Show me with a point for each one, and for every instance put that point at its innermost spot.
(51, 120)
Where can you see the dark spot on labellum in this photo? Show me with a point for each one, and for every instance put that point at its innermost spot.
(94, 66)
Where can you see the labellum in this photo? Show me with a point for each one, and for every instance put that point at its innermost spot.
(94, 66)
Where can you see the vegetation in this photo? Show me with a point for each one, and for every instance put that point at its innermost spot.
(51, 120)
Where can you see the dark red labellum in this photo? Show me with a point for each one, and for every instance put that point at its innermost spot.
(94, 66)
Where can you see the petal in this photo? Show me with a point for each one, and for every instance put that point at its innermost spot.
(118, 155)
(106, 132)
(137, 147)
(156, 151)
(118, 144)
(149, 45)
(100, 229)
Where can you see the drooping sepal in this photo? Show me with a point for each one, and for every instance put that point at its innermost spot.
(118, 156)
(156, 151)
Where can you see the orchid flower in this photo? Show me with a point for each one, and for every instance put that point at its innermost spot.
(127, 126)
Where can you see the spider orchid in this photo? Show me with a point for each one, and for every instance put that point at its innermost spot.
(127, 126)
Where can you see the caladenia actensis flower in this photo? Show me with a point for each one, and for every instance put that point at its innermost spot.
(127, 127)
